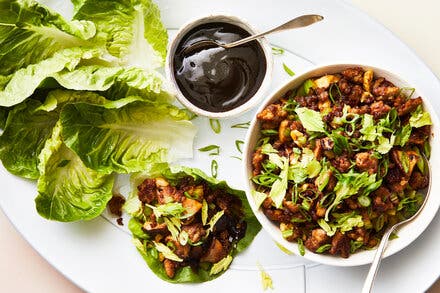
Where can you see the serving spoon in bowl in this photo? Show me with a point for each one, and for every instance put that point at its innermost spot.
(300, 21)
(368, 284)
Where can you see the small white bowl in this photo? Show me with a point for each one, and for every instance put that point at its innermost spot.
(407, 233)
(254, 100)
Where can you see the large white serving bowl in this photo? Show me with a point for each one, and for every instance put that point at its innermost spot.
(407, 233)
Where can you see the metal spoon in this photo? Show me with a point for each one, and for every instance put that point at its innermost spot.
(301, 21)
(368, 284)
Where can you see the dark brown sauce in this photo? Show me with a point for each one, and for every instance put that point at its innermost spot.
(217, 79)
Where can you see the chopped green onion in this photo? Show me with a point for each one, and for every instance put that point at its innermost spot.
(288, 70)
(404, 159)
(236, 157)
(214, 168)
(330, 92)
(277, 51)
(410, 89)
(364, 201)
(427, 149)
(380, 221)
(215, 125)
(212, 147)
(266, 179)
(283, 249)
(301, 248)
(393, 236)
(355, 245)
(323, 248)
(204, 212)
(269, 132)
(238, 144)
(244, 125)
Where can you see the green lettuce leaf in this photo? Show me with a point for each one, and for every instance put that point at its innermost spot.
(24, 136)
(127, 139)
(4, 112)
(116, 82)
(150, 254)
(30, 33)
(30, 125)
(24, 81)
(131, 30)
(67, 189)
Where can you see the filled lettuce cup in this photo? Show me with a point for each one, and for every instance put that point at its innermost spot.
(186, 225)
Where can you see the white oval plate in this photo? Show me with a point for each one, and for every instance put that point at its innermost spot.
(99, 257)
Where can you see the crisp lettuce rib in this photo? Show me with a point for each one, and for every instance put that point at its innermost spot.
(127, 139)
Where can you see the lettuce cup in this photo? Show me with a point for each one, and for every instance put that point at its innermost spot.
(187, 226)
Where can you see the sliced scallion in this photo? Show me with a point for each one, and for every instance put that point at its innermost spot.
(238, 144)
(301, 248)
(244, 125)
(277, 51)
(214, 149)
(288, 70)
(215, 125)
(214, 168)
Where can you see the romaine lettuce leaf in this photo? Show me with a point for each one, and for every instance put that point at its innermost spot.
(116, 82)
(22, 84)
(112, 82)
(131, 30)
(24, 136)
(127, 139)
(150, 254)
(30, 33)
(68, 190)
(31, 123)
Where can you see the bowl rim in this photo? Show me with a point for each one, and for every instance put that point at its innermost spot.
(249, 104)
(411, 231)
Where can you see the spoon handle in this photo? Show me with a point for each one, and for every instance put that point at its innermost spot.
(300, 21)
(368, 284)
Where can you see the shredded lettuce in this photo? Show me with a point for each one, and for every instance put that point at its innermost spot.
(259, 197)
(349, 184)
(420, 118)
(310, 119)
(221, 265)
(166, 251)
(174, 209)
(279, 187)
(344, 223)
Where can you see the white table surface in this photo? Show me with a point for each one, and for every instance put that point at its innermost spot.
(415, 22)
